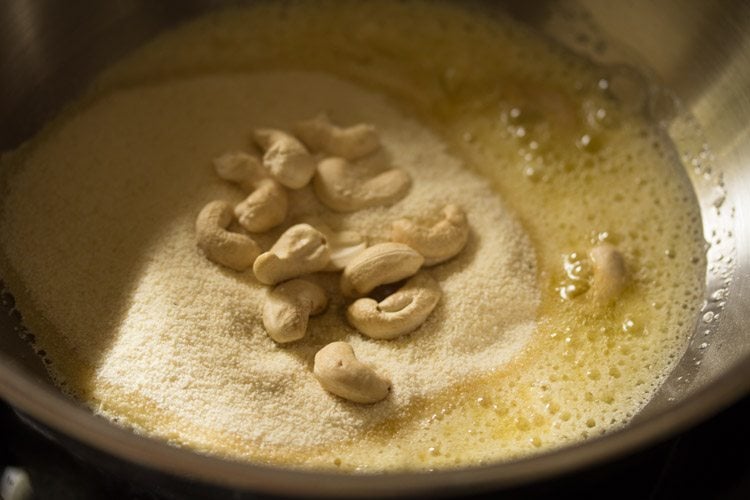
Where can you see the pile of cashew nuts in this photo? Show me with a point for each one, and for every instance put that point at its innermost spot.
(289, 162)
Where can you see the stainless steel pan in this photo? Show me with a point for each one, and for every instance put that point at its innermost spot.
(49, 50)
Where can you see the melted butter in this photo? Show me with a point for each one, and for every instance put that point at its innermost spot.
(577, 163)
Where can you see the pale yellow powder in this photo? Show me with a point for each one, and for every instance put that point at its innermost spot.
(114, 193)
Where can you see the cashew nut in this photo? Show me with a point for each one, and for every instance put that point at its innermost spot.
(267, 204)
(377, 265)
(351, 143)
(438, 243)
(399, 313)
(233, 250)
(340, 372)
(342, 190)
(286, 158)
(288, 308)
(344, 245)
(264, 208)
(239, 168)
(609, 273)
(300, 250)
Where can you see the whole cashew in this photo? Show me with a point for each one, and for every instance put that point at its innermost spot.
(300, 250)
(340, 189)
(377, 265)
(439, 242)
(609, 273)
(344, 245)
(267, 204)
(351, 143)
(340, 372)
(233, 250)
(239, 168)
(399, 313)
(288, 308)
(285, 157)
(265, 208)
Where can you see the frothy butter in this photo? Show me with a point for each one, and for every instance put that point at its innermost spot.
(572, 162)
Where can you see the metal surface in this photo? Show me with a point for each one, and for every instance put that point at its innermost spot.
(701, 51)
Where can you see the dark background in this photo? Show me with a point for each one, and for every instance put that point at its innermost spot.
(711, 461)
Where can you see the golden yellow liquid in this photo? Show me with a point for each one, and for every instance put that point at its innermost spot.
(519, 111)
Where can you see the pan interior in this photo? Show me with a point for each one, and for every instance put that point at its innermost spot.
(702, 361)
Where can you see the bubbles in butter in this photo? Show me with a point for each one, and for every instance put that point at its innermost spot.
(566, 144)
